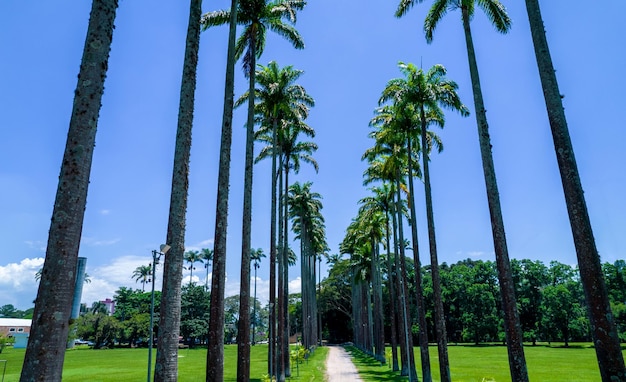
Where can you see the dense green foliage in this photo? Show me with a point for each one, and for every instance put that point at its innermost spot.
(549, 297)
(9, 311)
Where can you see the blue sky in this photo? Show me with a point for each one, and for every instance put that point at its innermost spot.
(352, 50)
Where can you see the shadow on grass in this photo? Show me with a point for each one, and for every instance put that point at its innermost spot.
(370, 369)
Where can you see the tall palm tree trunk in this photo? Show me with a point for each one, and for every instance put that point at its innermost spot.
(215, 349)
(412, 373)
(421, 306)
(271, 355)
(605, 336)
(306, 330)
(377, 290)
(243, 332)
(169, 319)
(513, 330)
(285, 312)
(442, 336)
(280, 317)
(254, 309)
(50, 325)
(400, 311)
(392, 298)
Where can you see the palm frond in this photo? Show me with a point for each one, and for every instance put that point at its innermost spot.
(215, 18)
(435, 14)
(496, 13)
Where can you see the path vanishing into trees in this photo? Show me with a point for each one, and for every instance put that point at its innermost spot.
(339, 366)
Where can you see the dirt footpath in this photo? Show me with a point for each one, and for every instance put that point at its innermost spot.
(339, 366)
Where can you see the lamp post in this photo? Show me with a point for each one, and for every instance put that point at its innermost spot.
(156, 256)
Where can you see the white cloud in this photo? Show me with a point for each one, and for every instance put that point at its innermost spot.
(17, 282)
(295, 286)
(105, 212)
(19, 287)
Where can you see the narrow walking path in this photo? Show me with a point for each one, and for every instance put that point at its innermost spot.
(339, 366)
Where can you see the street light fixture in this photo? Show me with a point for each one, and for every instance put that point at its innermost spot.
(156, 256)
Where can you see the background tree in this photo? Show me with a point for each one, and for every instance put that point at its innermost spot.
(48, 334)
(305, 211)
(255, 256)
(194, 315)
(192, 257)
(206, 256)
(143, 274)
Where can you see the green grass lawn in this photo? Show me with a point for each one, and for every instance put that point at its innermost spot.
(120, 365)
(490, 363)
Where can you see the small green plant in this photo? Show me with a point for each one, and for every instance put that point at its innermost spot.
(299, 355)
(4, 341)
(268, 378)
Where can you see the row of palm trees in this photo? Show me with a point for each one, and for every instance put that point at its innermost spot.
(413, 105)
(44, 356)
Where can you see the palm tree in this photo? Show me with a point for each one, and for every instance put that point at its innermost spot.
(305, 211)
(382, 200)
(255, 256)
(142, 273)
(373, 220)
(605, 336)
(388, 162)
(206, 255)
(215, 346)
(49, 331)
(424, 93)
(280, 99)
(166, 368)
(496, 13)
(256, 16)
(192, 257)
(397, 122)
(292, 152)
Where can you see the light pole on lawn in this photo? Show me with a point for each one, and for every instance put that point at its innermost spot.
(156, 256)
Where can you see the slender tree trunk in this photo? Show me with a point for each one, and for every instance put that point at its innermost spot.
(243, 333)
(400, 321)
(304, 275)
(215, 350)
(254, 309)
(285, 311)
(377, 290)
(271, 355)
(280, 349)
(404, 291)
(51, 319)
(513, 330)
(421, 305)
(392, 299)
(605, 336)
(440, 327)
(169, 319)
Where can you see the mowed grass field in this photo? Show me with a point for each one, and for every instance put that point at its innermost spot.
(121, 365)
(489, 363)
(467, 364)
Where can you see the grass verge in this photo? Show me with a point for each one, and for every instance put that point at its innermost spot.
(469, 363)
(119, 365)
